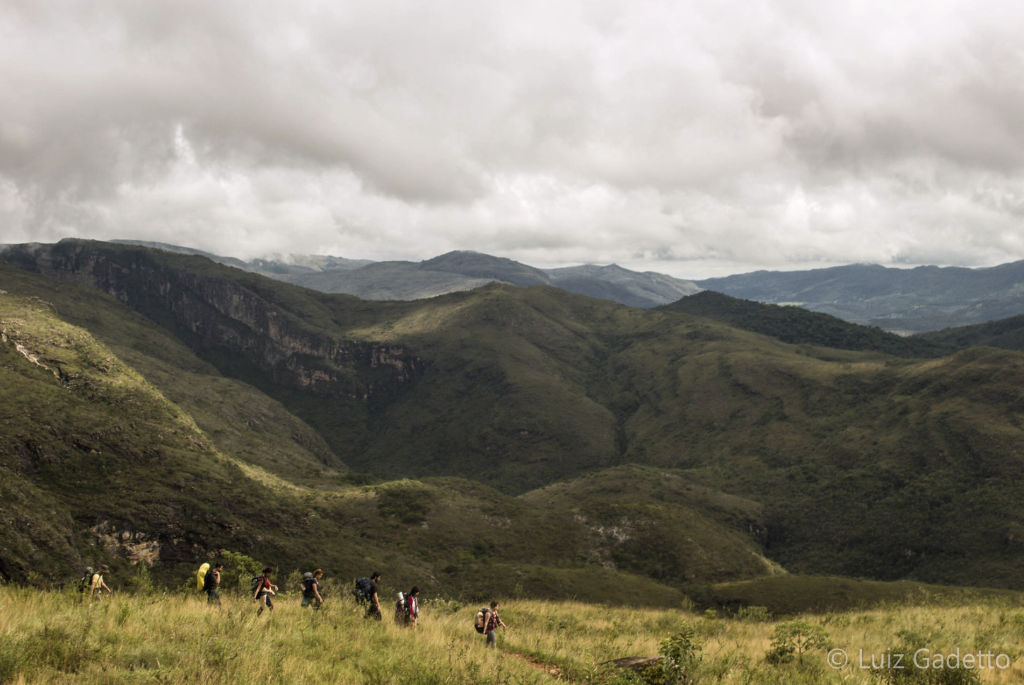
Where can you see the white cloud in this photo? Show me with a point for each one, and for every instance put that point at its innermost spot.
(681, 136)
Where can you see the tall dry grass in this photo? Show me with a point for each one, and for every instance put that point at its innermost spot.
(48, 637)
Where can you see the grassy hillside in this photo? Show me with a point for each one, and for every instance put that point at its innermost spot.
(102, 465)
(851, 462)
(802, 327)
(1006, 333)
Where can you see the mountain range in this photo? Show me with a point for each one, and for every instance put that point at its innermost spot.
(905, 301)
(160, 408)
(454, 272)
(926, 298)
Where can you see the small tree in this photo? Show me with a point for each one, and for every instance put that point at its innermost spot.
(239, 569)
(793, 639)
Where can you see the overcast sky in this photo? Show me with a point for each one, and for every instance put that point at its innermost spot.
(693, 138)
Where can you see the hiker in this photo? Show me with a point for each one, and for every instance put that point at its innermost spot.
(374, 608)
(493, 622)
(264, 591)
(211, 584)
(411, 614)
(311, 589)
(97, 586)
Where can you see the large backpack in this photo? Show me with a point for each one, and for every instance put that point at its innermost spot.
(401, 610)
(307, 584)
(482, 617)
(201, 576)
(363, 590)
(210, 582)
(86, 580)
(255, 583)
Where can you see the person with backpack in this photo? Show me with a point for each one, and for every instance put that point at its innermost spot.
(411, 613)
(373, 610)
(211, 584)
(311, 589)
(264, 590)
(488, 622)
(97, 585)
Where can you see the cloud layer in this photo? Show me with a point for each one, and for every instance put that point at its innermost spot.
(686, 137)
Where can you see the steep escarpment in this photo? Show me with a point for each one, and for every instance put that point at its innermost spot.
(225, 320)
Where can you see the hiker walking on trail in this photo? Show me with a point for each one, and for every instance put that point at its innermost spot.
(374, 595)
(407, 608)
(411, 612)
(264, 591)
(491, 625)
(97, 585)
(311, 589)
(211, 584)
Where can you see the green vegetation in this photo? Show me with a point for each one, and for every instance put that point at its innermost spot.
(761, 598)
(175, 638)
(551, 444)
(802, 327)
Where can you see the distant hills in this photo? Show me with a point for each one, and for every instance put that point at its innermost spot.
(904, 301)
(925, 298)
(507, 439)
(453, 272)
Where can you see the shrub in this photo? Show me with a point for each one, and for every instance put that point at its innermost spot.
(793, 639)
(908, 670)
(680, 658)
(755, 614)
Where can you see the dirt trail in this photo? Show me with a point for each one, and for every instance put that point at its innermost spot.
(551, 669)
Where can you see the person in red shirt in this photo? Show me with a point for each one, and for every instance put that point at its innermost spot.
(264, 591)
(412, 607)
(493, 623)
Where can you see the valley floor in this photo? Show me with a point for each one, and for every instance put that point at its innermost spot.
(170, 638)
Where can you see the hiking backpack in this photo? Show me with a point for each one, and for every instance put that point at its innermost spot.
(307, 584)
(201, 576)
(209, 581)
(482, 617)
(255, 583)
(362, 590)
(401, 610)
(86, 580)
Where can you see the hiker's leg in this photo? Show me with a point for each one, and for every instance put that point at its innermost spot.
(492, 640)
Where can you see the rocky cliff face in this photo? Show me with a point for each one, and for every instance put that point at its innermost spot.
(224, 320)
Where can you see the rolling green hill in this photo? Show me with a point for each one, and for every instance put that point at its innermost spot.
(98, 463)
(520, 431)
(802, 327)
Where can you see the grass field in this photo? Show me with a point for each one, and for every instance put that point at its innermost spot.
(171, 638)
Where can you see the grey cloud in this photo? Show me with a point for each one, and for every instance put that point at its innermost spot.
(768, 134)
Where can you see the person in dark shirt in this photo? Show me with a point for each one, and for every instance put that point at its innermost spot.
(374, 609)
(211, 583)
(311, 590)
